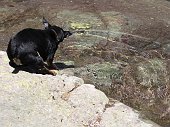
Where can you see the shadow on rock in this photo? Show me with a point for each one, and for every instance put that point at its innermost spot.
(30, 69)
(62, 66)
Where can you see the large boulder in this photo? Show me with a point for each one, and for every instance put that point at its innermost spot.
(57, 101)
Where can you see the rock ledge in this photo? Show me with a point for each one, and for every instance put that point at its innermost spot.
(34, 100)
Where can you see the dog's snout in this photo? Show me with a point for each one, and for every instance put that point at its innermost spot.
(67, 34)
(70, 33)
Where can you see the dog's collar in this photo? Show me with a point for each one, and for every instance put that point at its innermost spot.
(54, 33)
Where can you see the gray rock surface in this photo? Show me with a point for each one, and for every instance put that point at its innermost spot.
(34, 100)
(129, 117)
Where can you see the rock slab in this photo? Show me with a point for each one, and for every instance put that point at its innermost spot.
(34, 100)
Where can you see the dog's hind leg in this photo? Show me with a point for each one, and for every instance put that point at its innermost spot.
(36, 63)
(42, 67)
(50, 61)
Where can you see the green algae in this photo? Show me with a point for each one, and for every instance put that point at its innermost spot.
(77, 25)
(152, 73)
(100, 73)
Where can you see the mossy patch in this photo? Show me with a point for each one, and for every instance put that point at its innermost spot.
(5, 9)
(77, 25)
(151, 73)
(166, 49)
(100, 73)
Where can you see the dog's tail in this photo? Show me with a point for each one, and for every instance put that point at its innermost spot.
(12, 53)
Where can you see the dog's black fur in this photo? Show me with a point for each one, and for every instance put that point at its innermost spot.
(33, 47)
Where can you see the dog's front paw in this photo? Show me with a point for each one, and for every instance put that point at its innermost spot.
(53, 72)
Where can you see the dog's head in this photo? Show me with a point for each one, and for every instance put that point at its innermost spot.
(59, 32)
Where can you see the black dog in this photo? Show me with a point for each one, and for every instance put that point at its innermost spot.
(33, 47)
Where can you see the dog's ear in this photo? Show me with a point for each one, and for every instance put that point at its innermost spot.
(67, 34)
(46, 24)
